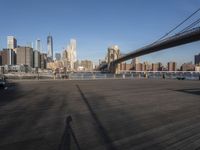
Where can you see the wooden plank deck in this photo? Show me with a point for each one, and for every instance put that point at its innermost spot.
(106, 114)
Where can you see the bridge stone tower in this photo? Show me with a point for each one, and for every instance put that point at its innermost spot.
(113, 54)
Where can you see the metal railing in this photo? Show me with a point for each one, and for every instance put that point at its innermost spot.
(189, 75)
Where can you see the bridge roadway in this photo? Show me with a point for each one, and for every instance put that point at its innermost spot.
(189, 36)
(106, 115)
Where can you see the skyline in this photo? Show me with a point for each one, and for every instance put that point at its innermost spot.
(98, 25)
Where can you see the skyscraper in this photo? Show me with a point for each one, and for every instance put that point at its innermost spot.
(37, 45)
(73, 48)
(50, 47)
(70, 56)
(11, 42)
(197, 59)
(36, 59)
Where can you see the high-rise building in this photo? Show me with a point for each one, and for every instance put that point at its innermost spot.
(135, 61)
(73, 48)
(65, 60)
(197, 59)
(157, 67)
(139, 67)
(70, 55)
(136, 65)
(160, 66)
(188, 67)
(58, 56)
(24, 56)
(38, 45)
(171, 66)
(76, 65)
(87, 65)
(154, 67)
(36, 59)
(50, 47)
(11, 42)
(8, 57)
(43, 61)
(4, 57)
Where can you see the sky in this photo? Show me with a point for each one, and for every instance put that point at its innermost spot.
(98, 24)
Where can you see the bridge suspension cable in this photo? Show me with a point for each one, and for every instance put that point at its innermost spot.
(190, 26)
(178, 25)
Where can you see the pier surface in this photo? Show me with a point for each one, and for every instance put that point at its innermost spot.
(100, 115)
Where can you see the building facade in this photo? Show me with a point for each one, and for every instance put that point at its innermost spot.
(197, 68)
(50, 47)
(24, 56)
(8, 57)
(136, 65)
(125, 66)
(38, 45)
(87, 65)
(146, 66)
(171, 66)
(11, 42)
(197, 59)
(69, 57)
(156, 66)
(187, 67)
(43, 61)
(36, 59)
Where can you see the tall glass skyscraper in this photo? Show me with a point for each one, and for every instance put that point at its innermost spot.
(38, 45)
(50, 47)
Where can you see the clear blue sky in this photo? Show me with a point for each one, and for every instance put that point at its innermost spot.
(97, 24)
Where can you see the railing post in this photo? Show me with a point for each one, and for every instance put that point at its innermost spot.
(131, 75)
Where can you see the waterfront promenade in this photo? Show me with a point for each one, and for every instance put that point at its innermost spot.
(105, 115)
